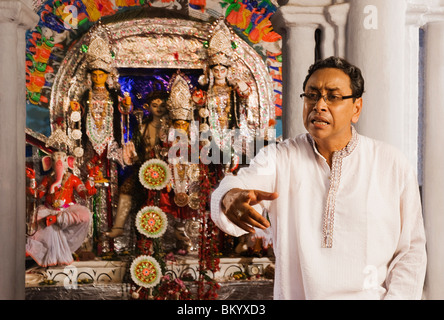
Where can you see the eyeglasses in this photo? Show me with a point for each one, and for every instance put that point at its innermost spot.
(330, 99)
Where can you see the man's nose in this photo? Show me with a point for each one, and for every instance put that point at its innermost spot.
(321, 105)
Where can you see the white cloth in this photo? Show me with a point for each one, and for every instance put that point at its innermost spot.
(378, 248)
(53, 245)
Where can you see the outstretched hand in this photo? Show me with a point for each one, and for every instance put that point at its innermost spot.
(237, 205)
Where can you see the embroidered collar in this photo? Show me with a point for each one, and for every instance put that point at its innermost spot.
(346, 151)
(335, 178)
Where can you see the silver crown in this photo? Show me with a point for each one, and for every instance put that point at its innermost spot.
(99, 55)
(179, 103)
(220, 46)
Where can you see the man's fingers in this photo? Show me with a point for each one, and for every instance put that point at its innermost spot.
(237, 217)
(251, 216)
(237, 205)
(247, 217)
(244, 226)
(257, 196)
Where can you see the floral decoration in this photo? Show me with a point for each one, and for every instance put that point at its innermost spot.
(145, 271)
(173, 289)
(151, 221)
(154, 174)
(208, 249)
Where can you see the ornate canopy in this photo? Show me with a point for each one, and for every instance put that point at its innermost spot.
(161, 43)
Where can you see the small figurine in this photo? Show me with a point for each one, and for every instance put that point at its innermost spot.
(63, 224)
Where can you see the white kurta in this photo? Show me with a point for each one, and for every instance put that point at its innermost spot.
(374, 214)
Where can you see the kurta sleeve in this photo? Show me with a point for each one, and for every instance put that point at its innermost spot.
(407, 270)
(259, 175)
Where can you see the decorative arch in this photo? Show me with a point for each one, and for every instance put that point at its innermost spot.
(64, 23)
(156, 47)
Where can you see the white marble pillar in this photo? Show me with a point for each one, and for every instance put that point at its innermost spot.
(376, 44)
(15, 18)
(298, 47)
(297, 22)
(433, 199)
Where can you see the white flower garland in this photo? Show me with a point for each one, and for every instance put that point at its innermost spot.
(146, 271)
(154, 217)
(151, 177)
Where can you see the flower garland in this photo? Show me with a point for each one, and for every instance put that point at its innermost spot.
(145, 271)
(151, 221)
(154, 174)
(173, 289)
(208, 250)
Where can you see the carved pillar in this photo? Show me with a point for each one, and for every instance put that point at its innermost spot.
(296, 61)
(297, 22)
(15, 18)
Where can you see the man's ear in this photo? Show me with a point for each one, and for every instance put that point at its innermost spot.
(357, 108)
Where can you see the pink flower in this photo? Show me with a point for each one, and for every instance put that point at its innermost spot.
(179, 282)
(166, 278)
(170, 256)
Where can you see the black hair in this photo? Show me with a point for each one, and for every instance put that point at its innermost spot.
(156, 94)
(356, 78)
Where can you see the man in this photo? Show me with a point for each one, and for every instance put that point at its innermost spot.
(344, 210)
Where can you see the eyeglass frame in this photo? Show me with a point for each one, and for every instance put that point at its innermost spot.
(304, 95)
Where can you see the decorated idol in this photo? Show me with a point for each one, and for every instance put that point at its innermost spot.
(102, 107)
(225, 103)
(148, 142)
(184, 149)
(98, 121)
(62, 223)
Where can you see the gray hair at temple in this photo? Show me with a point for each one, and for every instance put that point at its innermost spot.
(356, 79)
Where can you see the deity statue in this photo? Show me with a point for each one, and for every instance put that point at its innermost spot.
(148, 142)
(62, 223)
(102, 108)
(98, 123)
(225, 102)
(153, 130)
(184, 161)
(182, 157)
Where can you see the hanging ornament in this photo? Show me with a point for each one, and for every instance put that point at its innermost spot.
(76, 134)
(194, 201)
(204, 113)
(78, 152)
(75, 116)
(181, 199)
(151, 221)
(154, 174)
(145, 271)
